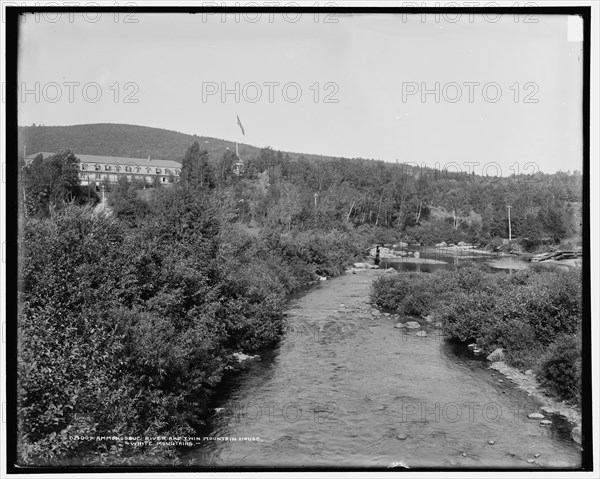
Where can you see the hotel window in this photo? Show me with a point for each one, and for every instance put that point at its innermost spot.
(128, 169)
(97, 167)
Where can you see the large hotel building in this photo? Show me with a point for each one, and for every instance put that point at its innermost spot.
(95, 169)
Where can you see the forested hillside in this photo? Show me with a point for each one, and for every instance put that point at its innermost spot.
(291, 190)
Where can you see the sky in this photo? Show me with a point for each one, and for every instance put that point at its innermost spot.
(501, 94)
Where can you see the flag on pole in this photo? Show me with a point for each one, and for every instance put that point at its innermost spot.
(240, 125)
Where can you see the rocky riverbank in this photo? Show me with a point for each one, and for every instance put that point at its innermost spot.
(528, 383)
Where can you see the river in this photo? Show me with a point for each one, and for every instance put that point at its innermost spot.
(345, 389)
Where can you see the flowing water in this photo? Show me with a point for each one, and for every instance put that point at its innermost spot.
(346, 389)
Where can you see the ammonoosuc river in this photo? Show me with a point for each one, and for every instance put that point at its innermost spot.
(345, 389)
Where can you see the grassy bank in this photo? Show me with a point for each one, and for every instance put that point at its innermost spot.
(534, 315)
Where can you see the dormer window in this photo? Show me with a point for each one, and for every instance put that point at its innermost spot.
(97, 167)
(107, 168)
(84, 166)
(158, 171)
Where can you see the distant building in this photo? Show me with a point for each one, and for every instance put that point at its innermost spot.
(238, 167)
(95, 169)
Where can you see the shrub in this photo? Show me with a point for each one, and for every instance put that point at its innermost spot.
(559, 369)
(533, 315)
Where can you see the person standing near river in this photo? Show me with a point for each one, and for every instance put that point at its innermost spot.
(377, 256)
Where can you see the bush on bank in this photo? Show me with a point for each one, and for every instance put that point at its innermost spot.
(130, 324)
(534, 315)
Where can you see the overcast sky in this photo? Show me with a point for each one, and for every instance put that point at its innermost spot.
(360, 81)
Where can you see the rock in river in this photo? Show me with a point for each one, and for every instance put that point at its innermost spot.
(421, 333)
(399, 326)
(535, 415)
(545, 422)
(412, 325)
(496, 355)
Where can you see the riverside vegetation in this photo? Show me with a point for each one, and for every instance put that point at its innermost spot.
(130, 319)
(533, 314)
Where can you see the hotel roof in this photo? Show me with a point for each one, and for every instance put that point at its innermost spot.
(115, 160)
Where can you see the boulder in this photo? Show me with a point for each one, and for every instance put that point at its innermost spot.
(535, 415)
(576, 435)
(421, 333)
(461, 243)
(496, 355)
(472, 346)
(402, 436)
(545, 422)
(547, 410)
(365, 266)
(441, 245)
(402, 244)
(412, 325)
(399, 326)
(241, 357)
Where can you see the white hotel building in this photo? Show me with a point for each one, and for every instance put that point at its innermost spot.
(95, 169)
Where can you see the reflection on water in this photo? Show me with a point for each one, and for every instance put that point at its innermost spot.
(444, 261)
